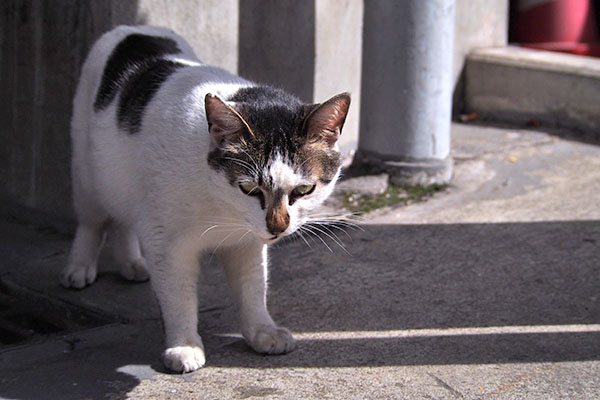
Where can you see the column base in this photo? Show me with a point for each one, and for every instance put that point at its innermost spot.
(406, 172)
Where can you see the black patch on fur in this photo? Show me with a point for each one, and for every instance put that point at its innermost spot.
(131, 54)
(276, 119)
(136, 68)
(139, 89)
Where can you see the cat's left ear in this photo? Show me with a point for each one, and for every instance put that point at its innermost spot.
(326, 120)
(225, 124)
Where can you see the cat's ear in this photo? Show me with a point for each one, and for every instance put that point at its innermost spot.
(225, 124)
(326, 120)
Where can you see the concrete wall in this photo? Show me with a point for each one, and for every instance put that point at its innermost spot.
(211, 26)
(42, 46)
(479, 23)
(338, 55)
(311, 48)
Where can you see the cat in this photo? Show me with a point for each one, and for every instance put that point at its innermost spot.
(175, 158)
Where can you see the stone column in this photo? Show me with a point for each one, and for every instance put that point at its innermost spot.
(407, 83)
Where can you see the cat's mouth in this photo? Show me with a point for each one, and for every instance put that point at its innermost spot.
(272, 239)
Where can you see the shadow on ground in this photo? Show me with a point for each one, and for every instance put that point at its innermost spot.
(433, 279)
(408, 295)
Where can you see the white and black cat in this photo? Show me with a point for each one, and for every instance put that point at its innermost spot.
(177, 158)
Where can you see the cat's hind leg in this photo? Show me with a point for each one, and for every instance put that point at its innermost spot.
(81, 269)
(127, 253)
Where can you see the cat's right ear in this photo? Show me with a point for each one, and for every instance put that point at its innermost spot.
(225, 124)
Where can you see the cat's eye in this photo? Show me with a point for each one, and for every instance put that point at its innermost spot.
(303, 190)
(250, 188)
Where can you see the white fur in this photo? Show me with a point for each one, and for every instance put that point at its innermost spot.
(166, 206)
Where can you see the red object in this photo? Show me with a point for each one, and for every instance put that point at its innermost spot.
(557, 25)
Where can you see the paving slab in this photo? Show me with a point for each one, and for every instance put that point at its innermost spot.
(480, 292)
(511, 175)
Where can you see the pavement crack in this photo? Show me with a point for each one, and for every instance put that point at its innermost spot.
(443, 384)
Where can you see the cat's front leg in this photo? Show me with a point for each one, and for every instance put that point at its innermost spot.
(174, 278)
(246, 269)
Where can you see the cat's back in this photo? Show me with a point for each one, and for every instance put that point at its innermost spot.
(131, 67)
(138, 98)
(120, 56)
(130, 45)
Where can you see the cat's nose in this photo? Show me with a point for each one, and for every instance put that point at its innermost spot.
(278, 221)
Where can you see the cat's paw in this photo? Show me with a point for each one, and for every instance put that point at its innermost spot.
(270, 339)
(135, 271)
(78, 276)
(184, 358)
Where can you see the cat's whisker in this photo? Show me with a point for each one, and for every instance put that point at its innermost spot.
(330, 215)
(251, 158)
(352, 216)
(208, 229)
(217, 220)
(340, 221)
(256, 168)
(301, 232)
(221, 243)
(338, 224)
(301, 236)
(243, 236)
(221, 225)
(310, 233)
(337, 237)
(252, 169)
(309, 230)
(334, 225)
(331, 236)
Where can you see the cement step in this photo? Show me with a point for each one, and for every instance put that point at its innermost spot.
(519, 85)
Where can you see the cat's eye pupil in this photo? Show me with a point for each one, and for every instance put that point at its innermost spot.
(249, 188)
(303, 190)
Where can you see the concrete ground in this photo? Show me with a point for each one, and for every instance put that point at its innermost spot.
(488, 290)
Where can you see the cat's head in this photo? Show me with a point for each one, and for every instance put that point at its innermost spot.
(275, 158)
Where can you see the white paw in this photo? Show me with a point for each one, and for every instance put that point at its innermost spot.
(135, 271)
(78, 276)
(270, 339)
(184, 358)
